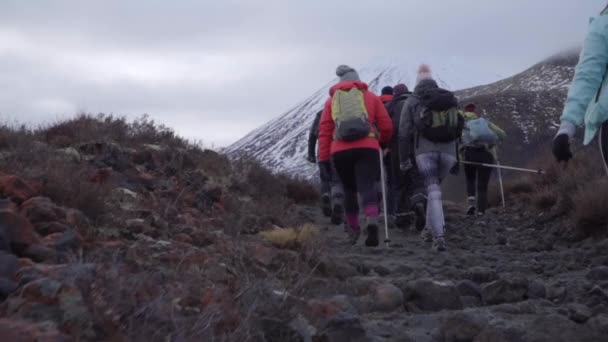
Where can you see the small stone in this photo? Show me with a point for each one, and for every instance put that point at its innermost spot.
(599, 273)
(461, 327)
(504, 291)
(342, 328)
(579, 313)
(536, 290)
(387, 298)
(502, 240)
(429, 295)
(136, 226)
(481, 275)
(469, 288)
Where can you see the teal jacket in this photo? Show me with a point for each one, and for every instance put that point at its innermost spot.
(587, 101)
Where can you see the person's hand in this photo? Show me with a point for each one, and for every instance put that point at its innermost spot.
(455, 170)
(406, 165)
(311, 159)
(561, 148)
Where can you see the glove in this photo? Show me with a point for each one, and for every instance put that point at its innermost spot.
(406, 165)
(455, 170)
(561, 148)
(311, 159)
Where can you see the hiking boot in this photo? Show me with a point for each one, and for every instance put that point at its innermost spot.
(372, 233)
(403, 220)
(420, 214)
(439, 244)
(353, 236)
(471, 210)
(337, 214)
(326, 205)
(426, 235)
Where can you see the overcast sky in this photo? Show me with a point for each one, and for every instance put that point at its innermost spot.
(214, 70)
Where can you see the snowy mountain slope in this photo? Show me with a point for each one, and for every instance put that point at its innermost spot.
(281, 144)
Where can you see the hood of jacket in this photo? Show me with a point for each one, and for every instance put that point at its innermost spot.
(386, 98)
(347, 85)
(424, 86)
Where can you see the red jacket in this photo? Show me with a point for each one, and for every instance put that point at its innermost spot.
(386, 98)
(378, 118)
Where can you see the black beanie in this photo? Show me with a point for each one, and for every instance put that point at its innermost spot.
(388, 90)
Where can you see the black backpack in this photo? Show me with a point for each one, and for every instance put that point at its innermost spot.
(440, 120)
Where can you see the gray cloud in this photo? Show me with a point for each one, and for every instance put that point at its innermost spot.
(215, 70)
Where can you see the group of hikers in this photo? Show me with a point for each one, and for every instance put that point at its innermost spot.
(401, 145)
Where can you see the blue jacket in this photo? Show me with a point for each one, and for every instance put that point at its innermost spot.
(588, 96)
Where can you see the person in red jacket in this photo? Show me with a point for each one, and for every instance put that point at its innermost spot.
(357, 162)
(386, 95)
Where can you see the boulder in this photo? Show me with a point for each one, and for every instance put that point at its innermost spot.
(18, 230)
(42, 209)
(16, 188)
(429, 295)
(504, 291)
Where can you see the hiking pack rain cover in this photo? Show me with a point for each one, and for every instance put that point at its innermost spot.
(477, 132)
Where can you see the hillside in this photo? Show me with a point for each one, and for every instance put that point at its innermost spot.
(117, 231)
(281, 144)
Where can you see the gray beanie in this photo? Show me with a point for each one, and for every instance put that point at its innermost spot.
(347, 73)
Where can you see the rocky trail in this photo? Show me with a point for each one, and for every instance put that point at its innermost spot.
(509, 276)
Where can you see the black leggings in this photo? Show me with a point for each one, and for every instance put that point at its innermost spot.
(358, 170)
(478, 177)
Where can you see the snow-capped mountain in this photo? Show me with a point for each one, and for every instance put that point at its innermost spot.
(281, 144)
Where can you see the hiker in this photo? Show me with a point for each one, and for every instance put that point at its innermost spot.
(406, 192)
(478, 145)
(386, 95)
(331, 189)
(587, 102)
(429, 128)
(353, 124)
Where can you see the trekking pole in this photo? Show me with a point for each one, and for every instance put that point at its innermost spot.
(387, 241)
(502, 189)
(539, 171)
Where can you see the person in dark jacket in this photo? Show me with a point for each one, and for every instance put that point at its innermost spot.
(357, 162)
(406, 191)
(332, 196)
(434, 160)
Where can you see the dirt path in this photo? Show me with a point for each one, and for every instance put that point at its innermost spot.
(505, 277)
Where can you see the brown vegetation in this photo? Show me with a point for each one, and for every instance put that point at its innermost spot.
(577, 190)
